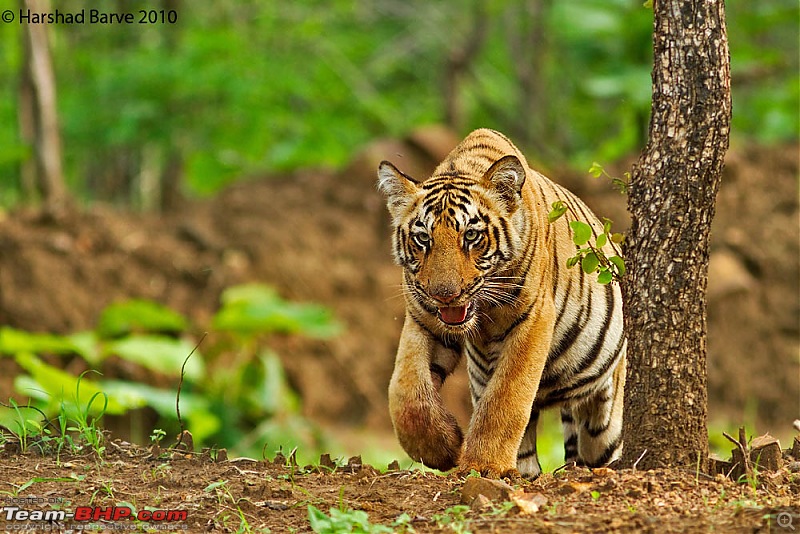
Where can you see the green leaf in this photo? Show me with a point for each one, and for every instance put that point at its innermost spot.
(605, 277)
(619, 263)
(14, 341)
(573, 261)
(559, 209)
(596, 170)
(601, 241)
(214, 485)
(139, 316)
(158, 353)
(607, 225)
(254, 309)
(617, 238)
(589, 263)
(581, 232)
(319, 521)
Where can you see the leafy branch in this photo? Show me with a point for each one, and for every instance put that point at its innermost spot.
(620, 184)
(590, 255)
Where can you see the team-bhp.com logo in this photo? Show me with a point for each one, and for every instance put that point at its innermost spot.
(92, 513)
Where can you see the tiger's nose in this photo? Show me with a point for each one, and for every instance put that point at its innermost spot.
(445, 294)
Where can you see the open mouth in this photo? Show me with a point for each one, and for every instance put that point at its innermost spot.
(454, 315)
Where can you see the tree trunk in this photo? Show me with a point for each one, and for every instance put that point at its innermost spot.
(459, 61)
(671, 200)
(41, 84)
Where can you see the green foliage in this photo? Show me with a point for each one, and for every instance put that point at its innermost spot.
(342, 521)
(455, 518)
(591, 256)
(235, 395)
(123, 318)
(235, 91)
(254, 308)
(621, 184)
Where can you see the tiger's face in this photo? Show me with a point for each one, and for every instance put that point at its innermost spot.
(455, 236)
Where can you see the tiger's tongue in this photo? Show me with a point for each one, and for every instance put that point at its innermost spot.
(453, 314)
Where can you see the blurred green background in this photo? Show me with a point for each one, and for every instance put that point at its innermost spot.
(241, 88)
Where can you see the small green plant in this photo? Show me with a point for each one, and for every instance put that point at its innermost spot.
(595, 495)
(346, 520)
(157, 435)
(403, 524)
(38, 480)
(22, 424)
(455, 518)
(105, 490)
(85, 424)
(499, 509)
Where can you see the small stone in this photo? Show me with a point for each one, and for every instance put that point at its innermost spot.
(528, 503)
(494, 490)
(602, 472)
(394, 466)
(326, 461)
(480, 503)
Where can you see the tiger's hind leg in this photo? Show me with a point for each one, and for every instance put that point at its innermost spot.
(570, 436)
(598, 422)
(527, 460)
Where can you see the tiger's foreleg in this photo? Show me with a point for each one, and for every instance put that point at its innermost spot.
(503, 411)
(428, 432)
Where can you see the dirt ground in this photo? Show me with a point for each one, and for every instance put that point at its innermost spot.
(322, 236)
(247, 495)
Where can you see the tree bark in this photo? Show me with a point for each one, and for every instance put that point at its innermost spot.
(41, 83)
(459, 61)
(671, 200)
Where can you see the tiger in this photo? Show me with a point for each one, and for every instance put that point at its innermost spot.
(484, 278)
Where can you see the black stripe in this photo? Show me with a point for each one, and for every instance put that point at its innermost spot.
(571, 448)
(562, 392)
(518, 321)
(475, 378)
(607, 454)
(562, 345)
(594, 432)
(527, 454)
(590, 356)
(474, 359)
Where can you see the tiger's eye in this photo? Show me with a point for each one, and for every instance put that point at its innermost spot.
(470, 235)
(422, 238)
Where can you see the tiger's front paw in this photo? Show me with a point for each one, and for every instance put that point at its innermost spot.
(488, 465)
(488, 470)
(430, 436)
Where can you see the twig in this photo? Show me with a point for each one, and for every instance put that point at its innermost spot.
(741, 444)
(180, 385)
(639, 459)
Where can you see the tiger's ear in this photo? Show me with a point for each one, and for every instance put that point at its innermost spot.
(506, 176)
(398, 188)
